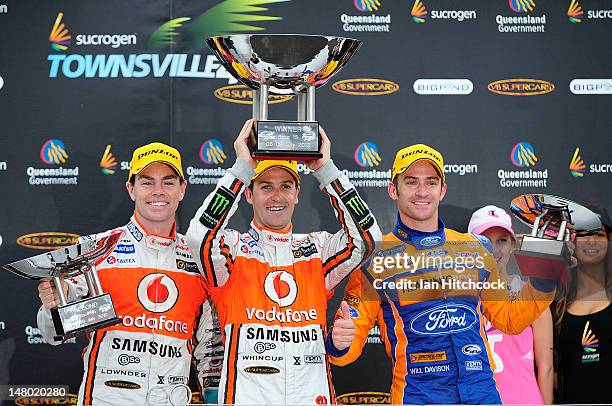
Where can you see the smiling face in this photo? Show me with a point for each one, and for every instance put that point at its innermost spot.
(592, 249)
(274, 195)
(156, 193)
(502, 242)
(417, 193)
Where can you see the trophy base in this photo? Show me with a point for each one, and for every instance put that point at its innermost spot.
(286, 140)
(542, 265)
(286, 155)
(93, 327)
(86, 315)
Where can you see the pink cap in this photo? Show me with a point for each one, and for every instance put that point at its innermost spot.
(488, 217)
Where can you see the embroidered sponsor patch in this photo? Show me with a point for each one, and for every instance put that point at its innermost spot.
(218, 206)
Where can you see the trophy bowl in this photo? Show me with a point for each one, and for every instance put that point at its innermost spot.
(284, 64)
(287, 63)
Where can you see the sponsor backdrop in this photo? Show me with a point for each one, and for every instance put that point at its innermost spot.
(515, 94)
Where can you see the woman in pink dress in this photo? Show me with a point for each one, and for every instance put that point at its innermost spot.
(516, 356)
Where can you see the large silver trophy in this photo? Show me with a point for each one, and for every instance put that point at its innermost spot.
(544, 252)
(284, 64)
(94, 312)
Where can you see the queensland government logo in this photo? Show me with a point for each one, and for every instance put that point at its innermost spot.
(53, 152)
(240, 94)
(524, 23)
(419, 14)
(366, 5)
(523, 155)
(366, 155)
(521, 87)
(591, 86)
(577, 166)
(48, 240)
(211, 153)
(368, 21)
(224, 17)
(365, 87)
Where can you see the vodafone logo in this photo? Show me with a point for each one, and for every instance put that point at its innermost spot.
(277, 239)
(281, 288)
(157, 292)
(158, 242)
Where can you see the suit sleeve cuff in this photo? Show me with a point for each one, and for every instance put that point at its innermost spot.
(242, 170)
(327, 173)
(331, 348)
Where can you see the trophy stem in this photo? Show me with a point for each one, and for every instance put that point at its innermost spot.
(60, 290)
(562, 229)
(301, 100)
(256, 104)
(90, 284)
(262, 105)
(310, 104)
(536, 224)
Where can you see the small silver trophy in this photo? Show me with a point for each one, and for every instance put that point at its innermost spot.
(284, 64)
(544, 252)
(91, 313)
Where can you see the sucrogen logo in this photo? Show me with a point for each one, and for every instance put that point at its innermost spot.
(364, 398)
(241, 94)
(574, 12)
(577, 166)
(60, 36)
(108, 163)
(521, 87)
(365, 87)
(47, 240)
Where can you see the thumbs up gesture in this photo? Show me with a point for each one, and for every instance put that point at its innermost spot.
(343, 330)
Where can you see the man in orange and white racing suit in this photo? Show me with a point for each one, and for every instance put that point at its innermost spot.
(271, 286)
(158, 292)
(430, 288)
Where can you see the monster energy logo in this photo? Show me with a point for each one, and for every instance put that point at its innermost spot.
(219, 205)
(356, 205)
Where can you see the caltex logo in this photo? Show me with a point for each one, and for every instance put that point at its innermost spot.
(523, 155)
(366, 5)
(53, 152)
(211, 152)
(157, 292)
(108, 163)
(574, 12)
(60, 36)
(521, 6)
(577, 166)
(366, 155)
(281, 288)
(419, 12)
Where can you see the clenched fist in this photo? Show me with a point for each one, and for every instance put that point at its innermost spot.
(343, 330)
(47, 292)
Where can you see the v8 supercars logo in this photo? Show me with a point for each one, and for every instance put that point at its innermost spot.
(281, 288)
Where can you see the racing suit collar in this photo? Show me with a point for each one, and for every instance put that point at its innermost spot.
(269, 236)
(154, 241)
(420, 239)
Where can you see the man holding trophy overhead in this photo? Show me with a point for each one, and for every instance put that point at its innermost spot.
(269, 285)
(156, 290)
